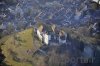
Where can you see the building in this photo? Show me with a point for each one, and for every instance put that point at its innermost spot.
(46, 38)
(62, 37)
(42, 35)
(39, 35)
(51, 36)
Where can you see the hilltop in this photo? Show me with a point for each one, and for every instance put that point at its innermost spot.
(23, 48)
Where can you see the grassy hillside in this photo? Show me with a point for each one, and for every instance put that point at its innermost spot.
(19, 47)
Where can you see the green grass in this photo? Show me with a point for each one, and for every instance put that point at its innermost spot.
(19, 48)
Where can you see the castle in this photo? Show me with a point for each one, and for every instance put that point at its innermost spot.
(50, 36)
